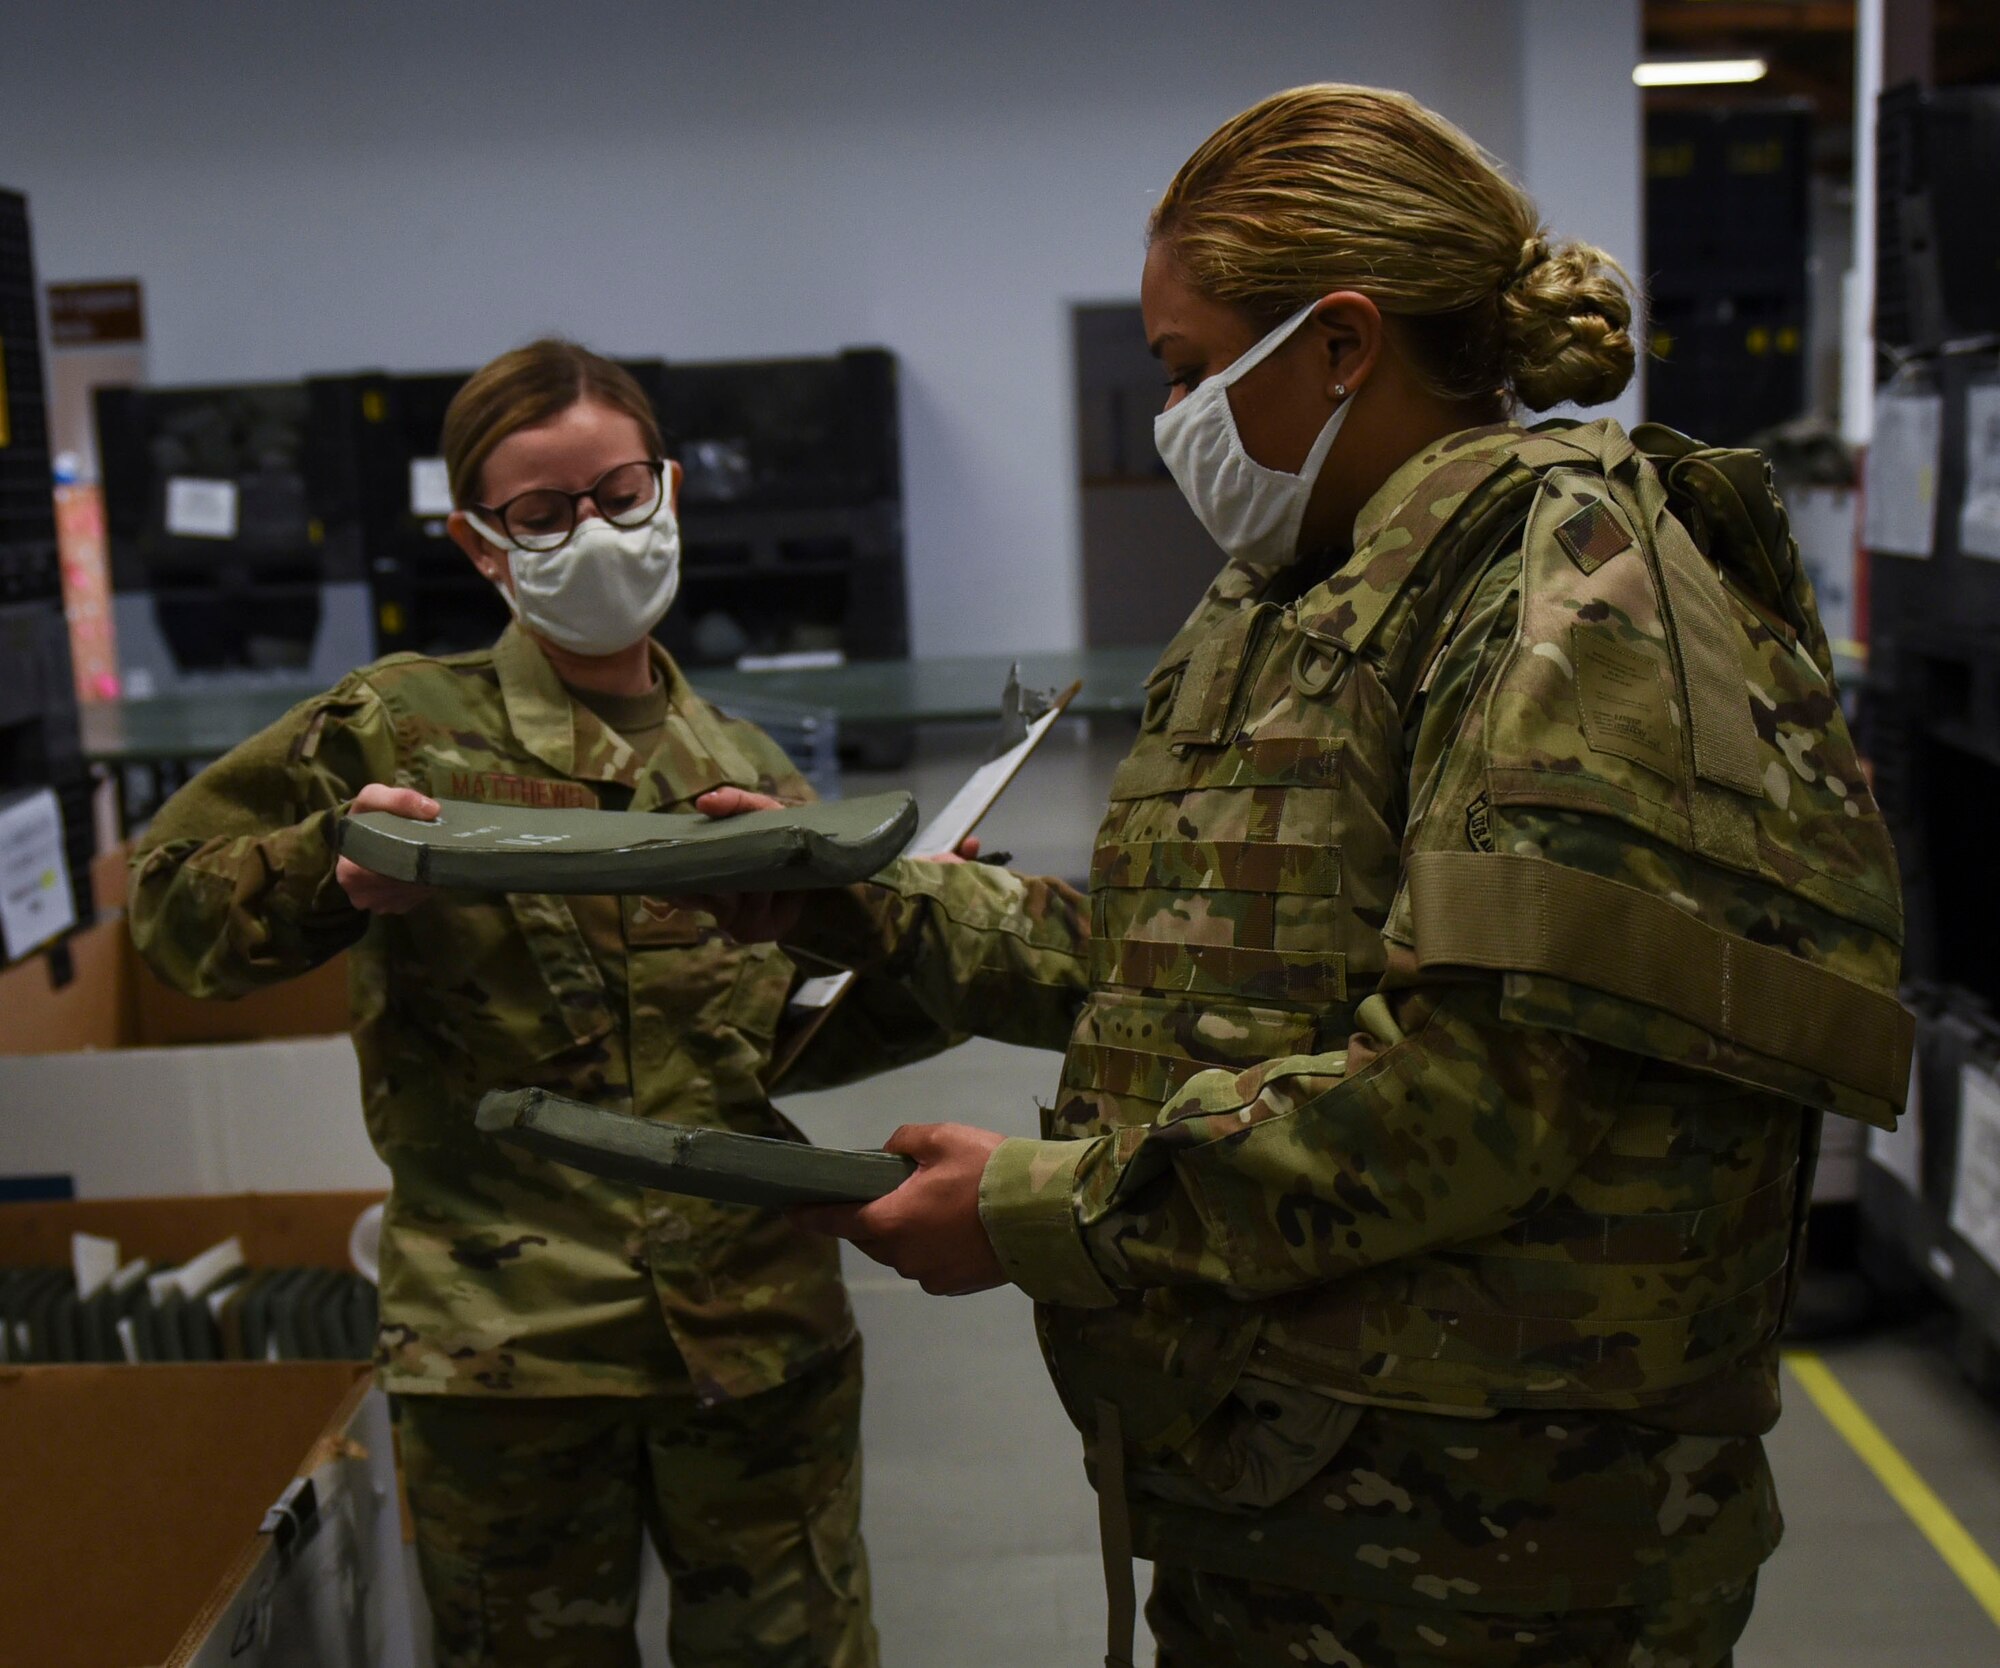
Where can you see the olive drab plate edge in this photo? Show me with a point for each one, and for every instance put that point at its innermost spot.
(677, 1158)
(510, 848)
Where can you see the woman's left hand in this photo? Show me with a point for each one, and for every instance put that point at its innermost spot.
(928, 1230)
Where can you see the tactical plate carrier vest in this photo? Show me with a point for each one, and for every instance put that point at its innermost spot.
(1652, 824)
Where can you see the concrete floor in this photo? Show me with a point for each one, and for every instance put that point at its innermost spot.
(977, 1514)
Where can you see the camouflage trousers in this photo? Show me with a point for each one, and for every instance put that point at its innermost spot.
(530, 1514)
(1215, 1621)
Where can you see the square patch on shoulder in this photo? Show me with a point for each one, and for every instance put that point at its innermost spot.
(1593, 536)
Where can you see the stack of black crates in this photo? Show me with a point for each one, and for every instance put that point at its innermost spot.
(1726, 236)
(1932, 705)
(791, 517)
(39, 742)
(791, 508)
(275, 592)
(387, 434)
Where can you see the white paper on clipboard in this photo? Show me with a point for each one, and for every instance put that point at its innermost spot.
(812, 1004)
(963, 811)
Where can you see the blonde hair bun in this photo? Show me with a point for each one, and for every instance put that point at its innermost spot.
(1334, 187)
(1566, 326)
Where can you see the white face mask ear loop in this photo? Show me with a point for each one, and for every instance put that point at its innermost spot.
(506, 591)
(1315, 461)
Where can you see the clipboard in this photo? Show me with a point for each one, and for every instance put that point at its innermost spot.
(1026, 717)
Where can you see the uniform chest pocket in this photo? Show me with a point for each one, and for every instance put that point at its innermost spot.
(569, 973)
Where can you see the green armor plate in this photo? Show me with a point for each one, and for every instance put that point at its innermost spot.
(504, 848)
(679, 1158)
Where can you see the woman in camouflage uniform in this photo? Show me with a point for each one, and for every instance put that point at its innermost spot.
(1490, 909)
(573, 1359)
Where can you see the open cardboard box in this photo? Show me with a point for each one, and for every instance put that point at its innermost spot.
(138, 1503)
(157, 1514)
(92, 991)
(160, 1093)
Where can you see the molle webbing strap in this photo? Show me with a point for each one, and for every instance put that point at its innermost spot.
(1725, 738)
(1216, 664)
(1529, 915)
(1114, 1534)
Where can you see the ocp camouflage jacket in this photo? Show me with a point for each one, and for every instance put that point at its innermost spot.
(502, 1273)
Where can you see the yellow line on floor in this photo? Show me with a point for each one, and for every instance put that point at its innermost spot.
(1962, 1554)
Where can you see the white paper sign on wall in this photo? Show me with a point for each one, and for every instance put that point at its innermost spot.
(201, 509)
(1899, 509)
(35, 898)
(1975, 1195)
(430, 487)
(1979, 517)
(1901, 1151)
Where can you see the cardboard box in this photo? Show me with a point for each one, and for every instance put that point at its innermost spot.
(112, 999)
(277, 1230)
(238, 1512)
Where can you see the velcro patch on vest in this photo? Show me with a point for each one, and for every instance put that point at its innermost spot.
(1593, 536)
(1622, 703)
(498, 787)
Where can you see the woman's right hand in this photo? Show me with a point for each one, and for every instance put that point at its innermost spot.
(380, 894)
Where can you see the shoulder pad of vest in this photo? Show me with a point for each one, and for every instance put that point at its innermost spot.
(1655, 818)
(1461, 509)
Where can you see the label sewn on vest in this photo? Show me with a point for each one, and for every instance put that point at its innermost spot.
(1622, 704)
(497, 787)
(1592, 536)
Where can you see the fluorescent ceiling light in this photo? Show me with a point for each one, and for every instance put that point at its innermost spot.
(1704, 72)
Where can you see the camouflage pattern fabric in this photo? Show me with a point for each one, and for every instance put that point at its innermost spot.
(503, 1274)
(529, 1513)
(1538, 1228)
(1200, 1619)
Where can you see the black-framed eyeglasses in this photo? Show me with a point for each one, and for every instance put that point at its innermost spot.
(545, 518)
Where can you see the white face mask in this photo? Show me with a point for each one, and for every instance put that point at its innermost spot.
(1254, 513)
(602, 591)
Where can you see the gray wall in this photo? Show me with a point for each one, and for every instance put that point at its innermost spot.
(313, 187)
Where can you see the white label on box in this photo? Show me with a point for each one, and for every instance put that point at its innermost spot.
(1975, 1196)
(430, 487)
(199, 509)
(1900, 1151)
(1899, 515)
(1979, 519)
(35, 899)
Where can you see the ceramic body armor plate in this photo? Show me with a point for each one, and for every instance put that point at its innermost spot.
(683, 1158)
(505, 848)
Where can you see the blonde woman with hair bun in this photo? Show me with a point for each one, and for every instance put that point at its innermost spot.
(1488, 913)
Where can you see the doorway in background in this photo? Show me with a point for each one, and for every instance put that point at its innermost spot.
(1146, 560)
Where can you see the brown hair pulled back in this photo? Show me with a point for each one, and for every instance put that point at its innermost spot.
(1334, 187)
(530, 385)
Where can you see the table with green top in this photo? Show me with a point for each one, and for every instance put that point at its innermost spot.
(167, 736)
